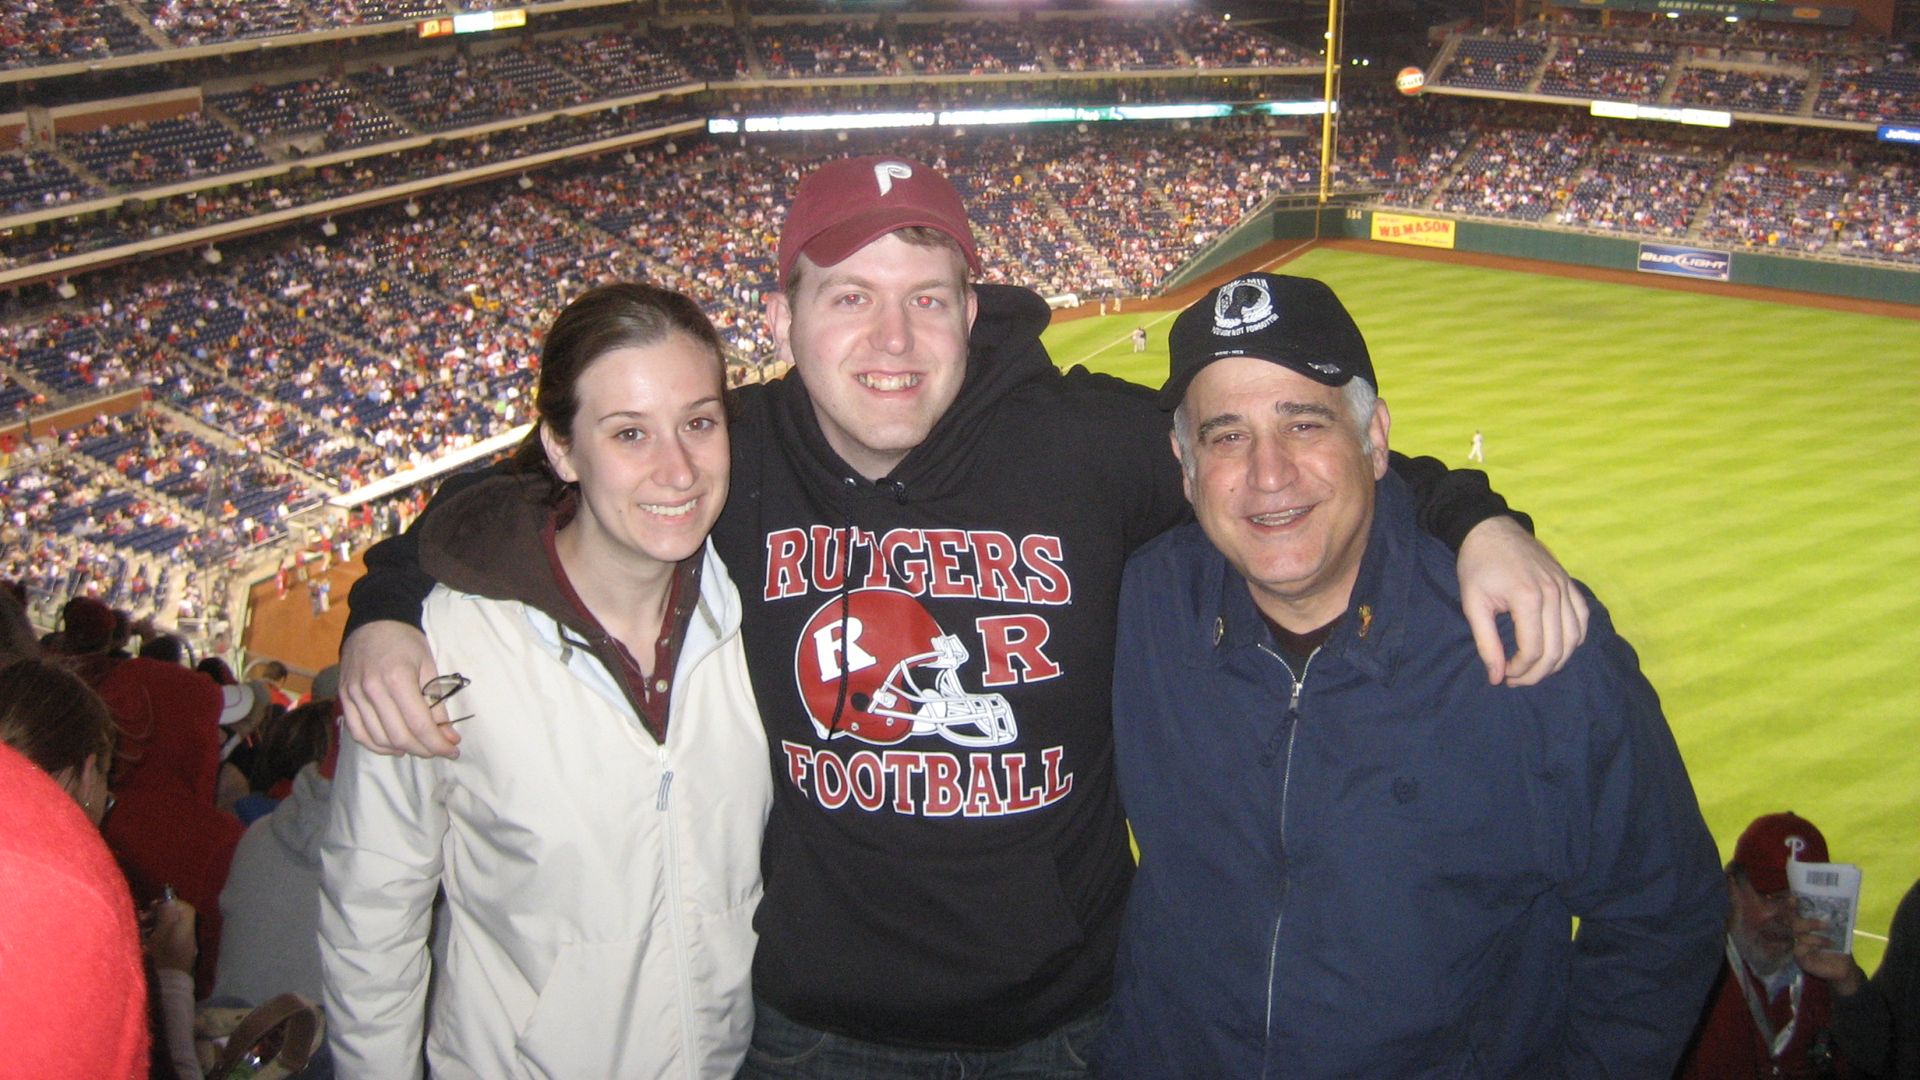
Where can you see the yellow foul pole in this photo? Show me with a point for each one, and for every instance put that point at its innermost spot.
(1326, 118)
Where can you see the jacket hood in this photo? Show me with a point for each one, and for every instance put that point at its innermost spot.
(488, 540)
(169, 726)
(301, 818)
(1004, 353)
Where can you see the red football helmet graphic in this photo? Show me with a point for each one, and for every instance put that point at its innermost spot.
(901, 674)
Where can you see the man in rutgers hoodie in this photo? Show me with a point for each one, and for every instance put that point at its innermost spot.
(928, 525)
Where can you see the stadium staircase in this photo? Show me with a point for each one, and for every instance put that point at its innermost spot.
(1059, 216)
(1445, 182)
(1816, 78)
(1674, 73)
(1704, 214)
(1546, 64)
(140, 21)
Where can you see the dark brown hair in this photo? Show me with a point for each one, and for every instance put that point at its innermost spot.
(52, 717)
(620, 315)
(289, 741)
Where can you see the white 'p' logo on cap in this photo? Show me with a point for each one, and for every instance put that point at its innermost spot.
(887, 172)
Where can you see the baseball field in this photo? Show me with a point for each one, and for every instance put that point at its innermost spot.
(1738, 480)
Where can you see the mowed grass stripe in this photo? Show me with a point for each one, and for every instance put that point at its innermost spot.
(1739, 481)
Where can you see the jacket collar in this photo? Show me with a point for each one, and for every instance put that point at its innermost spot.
(1372, 632)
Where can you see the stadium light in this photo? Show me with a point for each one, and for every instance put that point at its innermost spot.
(526, 182)
(66, 290)
(412, 208)
(329, 229)
(629, 158)
(211, 254)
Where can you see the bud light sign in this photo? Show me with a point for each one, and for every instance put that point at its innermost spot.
(1684, 261)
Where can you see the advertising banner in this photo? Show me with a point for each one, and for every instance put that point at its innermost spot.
(1684, 261)
(1420, 231)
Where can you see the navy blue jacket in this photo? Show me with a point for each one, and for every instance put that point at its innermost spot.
(1378, 875)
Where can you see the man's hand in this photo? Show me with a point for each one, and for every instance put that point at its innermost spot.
(383, 665)
(1812, 950)
(1503, 568)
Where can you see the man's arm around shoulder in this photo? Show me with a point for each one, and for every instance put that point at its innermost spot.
(1643, 872)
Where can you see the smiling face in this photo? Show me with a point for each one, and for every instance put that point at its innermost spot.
(879, 339)
(1279, 480)
(649, 451)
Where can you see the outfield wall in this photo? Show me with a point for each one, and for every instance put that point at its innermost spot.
(1832, 278)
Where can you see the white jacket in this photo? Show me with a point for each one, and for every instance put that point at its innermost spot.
(600, 886)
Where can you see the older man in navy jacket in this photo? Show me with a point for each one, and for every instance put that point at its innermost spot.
(1357, 857)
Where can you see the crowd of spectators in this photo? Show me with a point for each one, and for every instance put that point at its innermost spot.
(1213, 42)
(1492, 63)
(1578, 68)
(1649, 192)
(324, 105)
(63, 31)
(617, 65)
(35, 179)
(808, 50)
(1735, 66)
(114, 509)
(150, 153)
(1866, 212)
(1741, 89)
(1878, 89)
(983, 47)
(1520, 173)
(177, 213)
(457, 91)
(1109, 44)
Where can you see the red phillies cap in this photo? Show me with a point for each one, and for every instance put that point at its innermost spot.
(845, 205)
(1769, 842)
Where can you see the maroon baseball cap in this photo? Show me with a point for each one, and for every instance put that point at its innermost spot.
(88, 625)
(845, 205)
(1769, 842)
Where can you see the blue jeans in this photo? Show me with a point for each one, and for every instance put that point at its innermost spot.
(785, 1050)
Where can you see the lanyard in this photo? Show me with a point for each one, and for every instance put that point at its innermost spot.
(1776, 1041)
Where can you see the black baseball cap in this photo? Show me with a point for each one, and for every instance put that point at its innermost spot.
(1295, 322)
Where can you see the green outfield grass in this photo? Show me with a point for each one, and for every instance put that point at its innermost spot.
(1738, 481)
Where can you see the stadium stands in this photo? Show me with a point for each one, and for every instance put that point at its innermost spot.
(305, 365)
(34, 179)
(36, 32)
(1489, 63)
(324, 105)
(981, 47)
(802, 50)
(1578, 69)
(162, 151)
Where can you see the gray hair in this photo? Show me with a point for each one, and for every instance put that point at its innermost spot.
(1358, 393)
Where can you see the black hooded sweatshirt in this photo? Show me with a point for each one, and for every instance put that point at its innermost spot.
(946, 859)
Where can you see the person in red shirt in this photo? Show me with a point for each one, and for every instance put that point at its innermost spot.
(1768, 1017)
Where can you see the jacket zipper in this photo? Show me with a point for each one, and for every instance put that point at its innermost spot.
(1286, 880)
(671, 873)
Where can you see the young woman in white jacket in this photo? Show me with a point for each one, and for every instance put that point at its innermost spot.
(598, 837)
